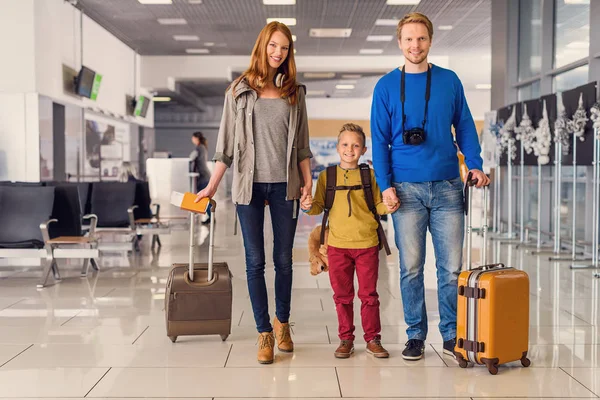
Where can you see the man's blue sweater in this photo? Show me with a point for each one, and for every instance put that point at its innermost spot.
(436, 158)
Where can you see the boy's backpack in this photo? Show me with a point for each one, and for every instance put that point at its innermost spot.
(331, 185)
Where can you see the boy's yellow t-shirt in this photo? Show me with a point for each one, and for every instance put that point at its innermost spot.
(349, 230)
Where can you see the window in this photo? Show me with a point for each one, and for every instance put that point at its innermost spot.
(571, 79)
(529, 92)
(530, 32)
(572, 31)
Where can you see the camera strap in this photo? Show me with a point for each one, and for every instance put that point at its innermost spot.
(427, 95)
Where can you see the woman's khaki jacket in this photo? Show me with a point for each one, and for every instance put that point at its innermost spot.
(235, 143)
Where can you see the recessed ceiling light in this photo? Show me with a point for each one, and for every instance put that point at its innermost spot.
(351, 76)
(402, 2)
(279, 2)
(319, 75)
(371, 51)
(209, 44)
(161, 99)
(155, 1)
(387, 22)
(577, 1)
(197, 51)
(285, 21)
(379, 38)
(293, 38)
(330, 33)
(483, 86)
(172, 21)
(315, 93)
(195, 1)
(186, 38)
(445, 27)
(344, 87)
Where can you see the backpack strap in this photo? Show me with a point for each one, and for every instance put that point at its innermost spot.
(330, 183)
(365, 177)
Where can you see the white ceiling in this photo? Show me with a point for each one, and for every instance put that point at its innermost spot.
(229, 28)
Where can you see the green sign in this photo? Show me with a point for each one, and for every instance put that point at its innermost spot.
(96, 86)
(139, 105)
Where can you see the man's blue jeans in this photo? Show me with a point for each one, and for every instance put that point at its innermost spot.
(437, 206)
(252, 218)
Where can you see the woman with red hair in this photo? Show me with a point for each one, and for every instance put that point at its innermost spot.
(264, 137)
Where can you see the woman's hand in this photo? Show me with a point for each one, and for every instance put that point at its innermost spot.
(306, 205)
(209, 191)
(305, 191)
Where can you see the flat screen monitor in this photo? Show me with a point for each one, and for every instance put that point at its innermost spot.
(141, 107)
(85, 82)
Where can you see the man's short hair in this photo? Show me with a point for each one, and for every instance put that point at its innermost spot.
(350, 127)
(418, 18)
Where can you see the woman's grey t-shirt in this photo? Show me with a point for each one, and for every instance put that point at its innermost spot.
(270, 124)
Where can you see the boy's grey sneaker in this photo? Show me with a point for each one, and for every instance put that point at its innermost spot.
(414, 350)
(449, 346)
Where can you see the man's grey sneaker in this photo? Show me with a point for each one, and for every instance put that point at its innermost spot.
(414, 350)
(449, 347)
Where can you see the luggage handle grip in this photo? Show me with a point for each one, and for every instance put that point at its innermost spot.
(211, 243)
(190, 282)
(470, 184)
(488, 267)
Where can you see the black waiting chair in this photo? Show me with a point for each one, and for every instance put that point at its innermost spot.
(28, 214)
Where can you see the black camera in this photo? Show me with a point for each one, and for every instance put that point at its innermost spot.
(414, 136)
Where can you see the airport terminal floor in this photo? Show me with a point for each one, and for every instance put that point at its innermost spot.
(104, 336)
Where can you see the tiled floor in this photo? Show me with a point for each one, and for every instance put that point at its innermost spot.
(104, 336)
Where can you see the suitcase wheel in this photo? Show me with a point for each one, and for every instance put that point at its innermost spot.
(224, 337)
(493, 369)
(173, 338)
(525, 362)
(463, 363)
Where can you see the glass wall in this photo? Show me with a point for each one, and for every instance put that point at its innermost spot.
(529, 92)
(530, 32)
(552, 52)
(571, 79)
(571, 31)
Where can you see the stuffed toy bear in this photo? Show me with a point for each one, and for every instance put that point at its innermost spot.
(317, 254)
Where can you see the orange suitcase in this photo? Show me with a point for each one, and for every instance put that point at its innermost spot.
(493, 307)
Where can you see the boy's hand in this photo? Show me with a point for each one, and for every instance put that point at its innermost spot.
(393, 208)
(306, 204)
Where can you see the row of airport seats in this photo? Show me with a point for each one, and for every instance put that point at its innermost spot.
(53, 220)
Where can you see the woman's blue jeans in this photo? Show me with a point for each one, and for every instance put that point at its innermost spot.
(284, 219)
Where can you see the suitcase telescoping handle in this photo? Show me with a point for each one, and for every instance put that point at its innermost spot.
(484, 227)
(211, 242)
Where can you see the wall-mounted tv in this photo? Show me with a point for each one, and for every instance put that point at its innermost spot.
(141, 107)
(87, 83)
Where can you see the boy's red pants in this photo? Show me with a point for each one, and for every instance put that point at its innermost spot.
(342, 263)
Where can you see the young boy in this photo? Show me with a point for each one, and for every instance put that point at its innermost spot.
(353, 243)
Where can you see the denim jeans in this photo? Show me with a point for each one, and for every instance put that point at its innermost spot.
(284, 221)
(437, 206)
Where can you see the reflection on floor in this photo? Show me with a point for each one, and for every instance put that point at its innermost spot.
(104, 336)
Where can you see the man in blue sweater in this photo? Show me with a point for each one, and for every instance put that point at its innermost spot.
(415, 161)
